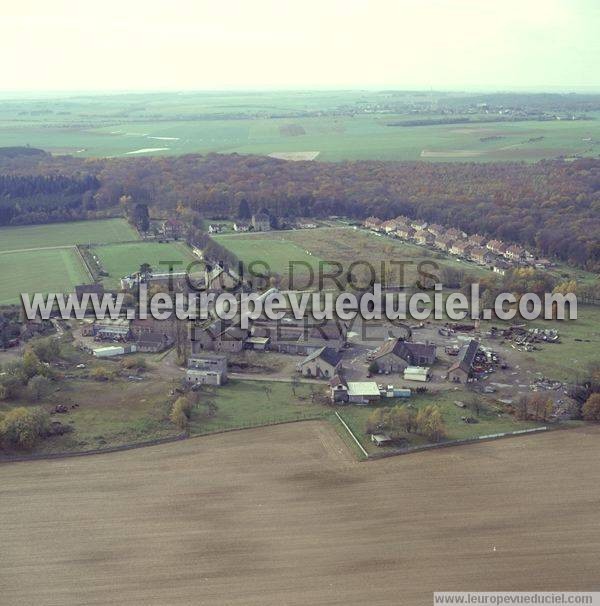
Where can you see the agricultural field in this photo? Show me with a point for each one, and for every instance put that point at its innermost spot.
(317, 126)
(66, 234)
(55, 270)
(275, 249)
(123, 259)
(285, 515)
(339, 244)
(43, 258)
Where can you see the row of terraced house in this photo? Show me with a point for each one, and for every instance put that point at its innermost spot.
(495, 254)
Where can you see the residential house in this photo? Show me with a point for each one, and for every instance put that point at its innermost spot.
(515, 252)
(436, 230)
(216, 228)
(419, 225)
(477, 240)
(444, 242)
(481, 255)
(460, 248)
(456, 234)
(424, 238)
(261, 222)
(373, 223)
(389, 226)
(500, 267)
(496, 246)
(405, 232)
(207, 369)
(323, 363)
(395, 355)
(462, 370)
(240, 226)
(171, 228)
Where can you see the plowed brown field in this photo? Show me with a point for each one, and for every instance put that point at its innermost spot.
(285, 516)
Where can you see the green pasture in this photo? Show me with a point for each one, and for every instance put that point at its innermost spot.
(490, 419)
(54, 270)
(66, 234)
(123, 259)
(275, 249)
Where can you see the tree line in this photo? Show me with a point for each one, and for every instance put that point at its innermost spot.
(552, 206)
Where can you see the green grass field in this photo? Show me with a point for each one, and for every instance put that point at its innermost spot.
(339, 244)
(55, 270)
(66, 234)
(55, 266)
(490, 422)
(276, 249)
(337, 124)
(123, 259)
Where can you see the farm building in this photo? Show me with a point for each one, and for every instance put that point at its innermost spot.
(381, 439)
(461, 370)
(147, 326)
(115, 330)
(395, 355)
(363, 392)
(417, 373)
(338, 390)
(323, 363)
(232, 339)
(220, 277)
(203, 337)
(261, 222)
(152, 342)
(207, 369)
(114, 350)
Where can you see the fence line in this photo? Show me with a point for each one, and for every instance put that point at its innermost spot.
(352, 435)
(156, 441)
(493, 436)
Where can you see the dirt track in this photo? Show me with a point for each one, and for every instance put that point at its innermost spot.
(284, 516)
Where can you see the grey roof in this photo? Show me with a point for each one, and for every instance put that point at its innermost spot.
(467, 356)
(405, 349)
(328, 354)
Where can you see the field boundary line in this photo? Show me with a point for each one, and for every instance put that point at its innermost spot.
(467, 441)
(85, 263)
(39, 248)
(155, 442)
(352, 435)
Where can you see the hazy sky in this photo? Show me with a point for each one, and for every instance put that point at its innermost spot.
(217, 44)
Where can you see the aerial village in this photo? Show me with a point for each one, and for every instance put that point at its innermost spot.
(350, 366)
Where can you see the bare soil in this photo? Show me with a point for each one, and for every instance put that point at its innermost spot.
(285, 515)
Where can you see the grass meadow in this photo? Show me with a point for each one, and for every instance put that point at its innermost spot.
(42, 258)
(123, 259)
(66, 234)
(54, 270)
